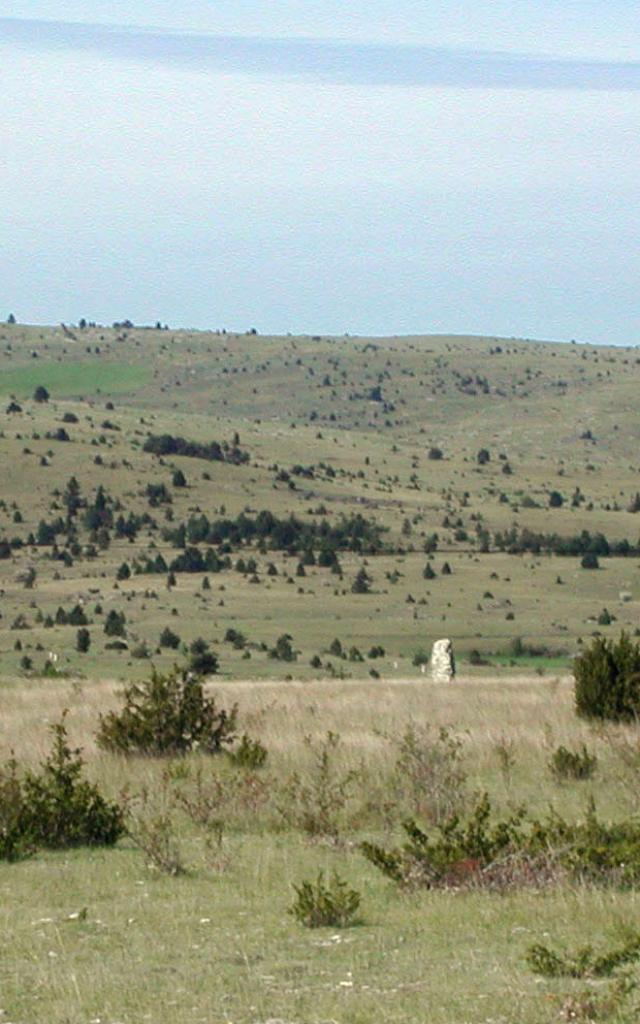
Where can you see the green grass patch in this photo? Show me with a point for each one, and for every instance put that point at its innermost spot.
(560, 663)
(68, 380)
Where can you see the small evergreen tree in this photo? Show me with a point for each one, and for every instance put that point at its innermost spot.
(607, 679)
(167, 714)
(77, 616)
(83, 640)
(169, 639)
(202, 660)
(362, 582)
(114, 624)
(62, 809)
(590, 561)
(283, 650)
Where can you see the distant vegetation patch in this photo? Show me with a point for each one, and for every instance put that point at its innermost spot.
(212, 451)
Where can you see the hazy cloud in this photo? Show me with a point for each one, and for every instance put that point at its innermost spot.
(325, 60)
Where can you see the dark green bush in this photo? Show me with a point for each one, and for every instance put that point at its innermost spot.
(83, 640)
(501, 852)
(584, 963)
(590, 850)
(607, 679)
(250, 754)
(325, 904)
(590, 560)
(60, 808)
(283, 650)
(454, 852)
(114, 624)
(202, 660)
(169, 639)
(14, 842)
(55, 807)
(573, 764)
(167, 714)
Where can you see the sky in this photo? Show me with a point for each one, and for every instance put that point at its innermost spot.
(321, 167)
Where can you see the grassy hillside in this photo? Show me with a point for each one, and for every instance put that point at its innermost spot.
(332, 427)
(319, 510)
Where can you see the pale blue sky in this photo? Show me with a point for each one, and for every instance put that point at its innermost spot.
(383, 168)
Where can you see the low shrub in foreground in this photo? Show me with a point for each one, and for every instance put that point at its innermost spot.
(514, 850)
(325, 904)
(15, 843)
(314, 803)
(152, 829)
(585, 962)
(430, 772)
(454, 852)
(167, 714)
(250, 754)
(56, 807)
(573, 764)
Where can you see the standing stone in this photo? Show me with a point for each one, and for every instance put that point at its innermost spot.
(443, 666)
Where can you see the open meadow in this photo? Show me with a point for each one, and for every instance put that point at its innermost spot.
(306, 516)
(93, 935)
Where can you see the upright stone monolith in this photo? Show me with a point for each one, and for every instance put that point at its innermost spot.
(442, 664)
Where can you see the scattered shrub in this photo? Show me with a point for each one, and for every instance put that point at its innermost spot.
(573, 764)
(314, 804)
(283, 650)
(590, 561)
(376, 651)
(477, 658)
(362, 582)
(455, 853)
(15, 843)
(169, 639)
(323, 904)
(607, 679)
(167, 714)
(505, 750)
(210, 796)
(480, 850)
(250, 753)
(421, 657)
(55, 807)
(83, 640)
(430, 772)
(153, 831)
(202, 660)
(114, 624)
(584, 963)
